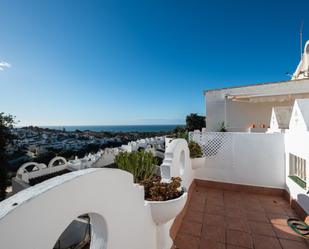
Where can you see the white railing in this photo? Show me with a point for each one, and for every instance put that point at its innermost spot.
(242, 158)
(32, 170)
(214, 144)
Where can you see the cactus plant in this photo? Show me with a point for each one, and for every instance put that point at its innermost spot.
(140, 164)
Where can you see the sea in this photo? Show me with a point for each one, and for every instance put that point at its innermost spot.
(118, 128)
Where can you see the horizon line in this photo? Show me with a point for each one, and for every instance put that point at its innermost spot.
(46, 126)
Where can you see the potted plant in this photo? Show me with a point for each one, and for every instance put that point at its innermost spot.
(165, 198)
(141, 164)
(196, 155)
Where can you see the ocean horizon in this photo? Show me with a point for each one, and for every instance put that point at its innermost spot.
(116, 128)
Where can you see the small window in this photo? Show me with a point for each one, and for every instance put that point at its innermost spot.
(298, 170)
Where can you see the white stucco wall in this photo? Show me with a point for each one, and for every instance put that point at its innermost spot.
(215, 110)
(239, 115)
(177, 162)
(251, 159)
(119, 215)
(297, 143)
(300, 116)
(108, 195)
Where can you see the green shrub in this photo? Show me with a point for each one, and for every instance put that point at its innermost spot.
(184, 135)
(140, 164)
(180, 132)
(195, 150)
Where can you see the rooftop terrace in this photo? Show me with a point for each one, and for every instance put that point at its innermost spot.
(240, 195)
(223, 219)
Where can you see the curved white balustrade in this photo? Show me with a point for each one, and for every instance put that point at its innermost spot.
(40, 169)
(120, 217)
(56, 159)
(42, 212)
(177, 162)
(27, 168)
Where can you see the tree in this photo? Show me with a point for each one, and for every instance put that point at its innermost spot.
(6, 124)
(180, 132)
(195, 122)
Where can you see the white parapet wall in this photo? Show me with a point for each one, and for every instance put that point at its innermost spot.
(177, 162)
(119, 216)
(297, 146)
(40, 169)
(255, 159)
(36, 217)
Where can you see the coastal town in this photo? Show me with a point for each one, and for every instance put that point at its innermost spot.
(42, 144)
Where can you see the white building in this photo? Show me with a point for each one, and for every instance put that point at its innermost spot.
(249, 108)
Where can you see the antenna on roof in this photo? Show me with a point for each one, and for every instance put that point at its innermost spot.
(301, 38)
(289, 74)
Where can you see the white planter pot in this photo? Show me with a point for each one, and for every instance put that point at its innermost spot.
(197, 162)
(162, 212)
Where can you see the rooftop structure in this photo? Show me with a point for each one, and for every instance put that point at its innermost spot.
(302, 70)
(246, 108)
(280, 118)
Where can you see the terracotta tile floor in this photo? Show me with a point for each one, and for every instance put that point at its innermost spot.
(218, 219)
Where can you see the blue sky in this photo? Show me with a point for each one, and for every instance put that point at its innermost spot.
(138, 62)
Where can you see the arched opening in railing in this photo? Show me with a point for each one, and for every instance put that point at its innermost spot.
(57, 161)
(88, 231)
(28, 168)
